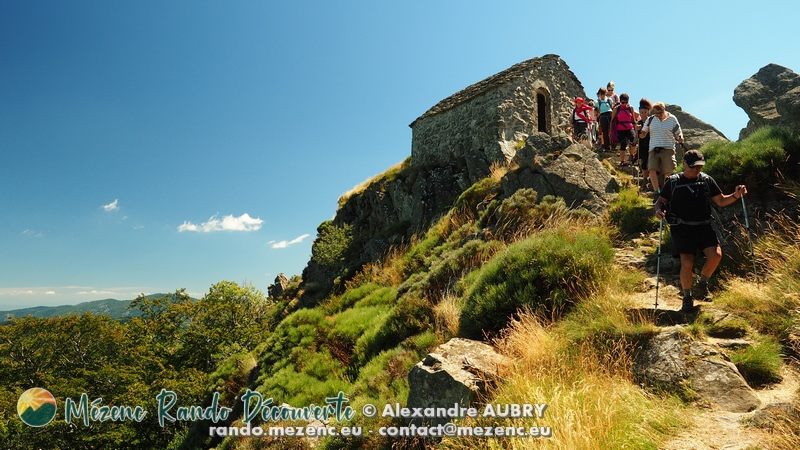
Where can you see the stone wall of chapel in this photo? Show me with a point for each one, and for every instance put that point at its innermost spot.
(486, 127)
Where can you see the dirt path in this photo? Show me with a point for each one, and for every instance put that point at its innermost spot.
(711, 428)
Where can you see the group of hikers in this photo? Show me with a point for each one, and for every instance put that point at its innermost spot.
(683, 199)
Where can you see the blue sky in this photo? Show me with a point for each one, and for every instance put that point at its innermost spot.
(147, 146)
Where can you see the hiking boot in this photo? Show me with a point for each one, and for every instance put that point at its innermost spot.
(701, 292)
(688, 305)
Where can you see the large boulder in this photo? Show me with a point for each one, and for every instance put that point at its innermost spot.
(460, 372)
(696, 133)
(277, 289)
(559, 166)
(770, 97)
(672, 361)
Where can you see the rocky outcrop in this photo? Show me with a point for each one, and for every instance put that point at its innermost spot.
(280, 285)
(558, 166)
(673, 361)
(460, 372)
(696, 133)
(770, 97)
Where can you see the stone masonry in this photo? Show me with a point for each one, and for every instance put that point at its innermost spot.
(483, 123)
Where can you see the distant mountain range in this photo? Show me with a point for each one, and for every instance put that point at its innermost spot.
(116, 309)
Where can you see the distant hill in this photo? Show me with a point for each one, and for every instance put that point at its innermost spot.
(116, 309)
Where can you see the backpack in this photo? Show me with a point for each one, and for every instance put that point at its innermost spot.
(621, 119)
(606, 102)
(702, 185)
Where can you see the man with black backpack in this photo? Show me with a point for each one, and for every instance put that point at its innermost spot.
(684, 202)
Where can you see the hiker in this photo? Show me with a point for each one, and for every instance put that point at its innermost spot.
(644, 142)
(592, 129)
(580, 118)
(611, 95)
(603, 107)
(665, 131)
(624, 120)
(685, 203)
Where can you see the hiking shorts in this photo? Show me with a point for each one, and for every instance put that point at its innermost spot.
(691, 238)
(624, 137)
(662, 160)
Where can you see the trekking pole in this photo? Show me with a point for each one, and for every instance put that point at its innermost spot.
(684, 150)
(749, 238)
(658, 259)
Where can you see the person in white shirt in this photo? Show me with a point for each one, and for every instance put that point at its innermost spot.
(665, 131)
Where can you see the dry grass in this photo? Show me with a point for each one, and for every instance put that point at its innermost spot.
(447, 316)
(591, 403)
(361, 187)
(771, 306)
(786, 433)
(386, 272)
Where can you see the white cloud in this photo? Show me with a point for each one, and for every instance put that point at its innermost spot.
(284, 244)
(113, 206)
(227, 223)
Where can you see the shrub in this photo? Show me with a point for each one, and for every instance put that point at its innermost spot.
(520, 215)
(759, 159)
(546, 273)
(411, 316)
(480, 193)
(332, 243)
(351, 297)
(448, 267)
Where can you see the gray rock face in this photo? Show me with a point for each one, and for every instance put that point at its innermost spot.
(662, 362)
(720, 382)
(696, 133)
(770, 97)
(672, 361)
(280, 285)
(558, 166)
(459, 372)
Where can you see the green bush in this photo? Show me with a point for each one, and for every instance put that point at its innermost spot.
(477, 195)
(760, 159)
(520, 215)
(415, 259)
(447, 267)
(352, 296)
(332, 243)
(546, 273)
(411, 316)
(298, 330)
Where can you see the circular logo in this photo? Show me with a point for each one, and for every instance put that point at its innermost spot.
(36, 407)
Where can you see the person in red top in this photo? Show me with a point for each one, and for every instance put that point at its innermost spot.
(581, 118)
(624, 119)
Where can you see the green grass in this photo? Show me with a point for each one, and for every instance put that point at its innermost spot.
(632, 213)
(759, 364)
